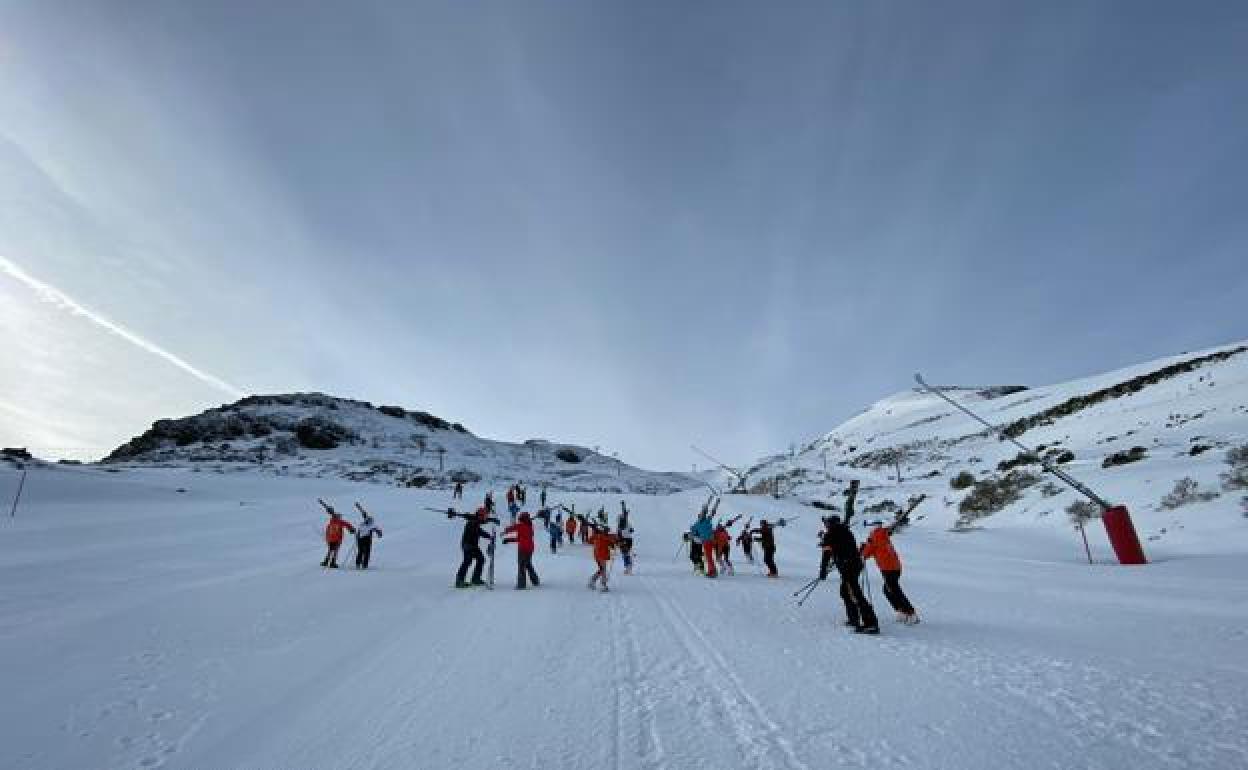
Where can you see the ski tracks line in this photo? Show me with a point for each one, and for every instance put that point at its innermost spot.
(753, 729)
(634, 681)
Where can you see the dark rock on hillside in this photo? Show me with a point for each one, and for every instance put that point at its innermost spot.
(320, 433)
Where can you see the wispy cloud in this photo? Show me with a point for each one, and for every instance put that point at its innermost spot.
(60, 299)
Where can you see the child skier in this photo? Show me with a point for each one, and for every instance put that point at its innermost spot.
(839, 547)
(364, 537)
(879, 546)
(603, 541)
(333, 535)
(521, 533)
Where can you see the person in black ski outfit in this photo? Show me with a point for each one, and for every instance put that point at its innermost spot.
(840, 548)
(470, 542)
(766, 537)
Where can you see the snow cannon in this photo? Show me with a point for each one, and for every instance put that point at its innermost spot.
(1118, 526)
(1122, 536)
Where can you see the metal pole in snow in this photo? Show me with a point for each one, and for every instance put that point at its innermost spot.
(1083, 532)
(18, 496)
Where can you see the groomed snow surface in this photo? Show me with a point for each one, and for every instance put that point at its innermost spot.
(143, 627)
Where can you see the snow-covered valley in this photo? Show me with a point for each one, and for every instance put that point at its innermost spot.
(144, 626)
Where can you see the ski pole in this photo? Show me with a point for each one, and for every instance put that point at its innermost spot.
(804, 587)
(814, 584)
(18, 496)
(866, 576)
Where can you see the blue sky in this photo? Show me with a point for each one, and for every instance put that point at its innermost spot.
(637, 225)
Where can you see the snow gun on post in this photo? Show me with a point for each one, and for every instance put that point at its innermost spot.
(1117, 519)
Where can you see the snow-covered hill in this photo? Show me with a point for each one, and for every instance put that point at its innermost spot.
(1134, 435)
(315, 435)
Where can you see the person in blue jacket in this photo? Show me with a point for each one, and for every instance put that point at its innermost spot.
(703, 533)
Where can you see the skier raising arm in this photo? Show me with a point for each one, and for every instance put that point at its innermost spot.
(879, 546)
(333, 534)
(364, 537)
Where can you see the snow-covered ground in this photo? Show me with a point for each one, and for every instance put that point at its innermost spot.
(142, 626)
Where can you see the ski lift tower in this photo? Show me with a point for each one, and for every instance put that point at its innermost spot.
(742, 478)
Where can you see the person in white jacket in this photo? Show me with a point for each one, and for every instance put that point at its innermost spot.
(364, 532)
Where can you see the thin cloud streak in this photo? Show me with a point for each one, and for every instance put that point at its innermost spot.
(60, 299)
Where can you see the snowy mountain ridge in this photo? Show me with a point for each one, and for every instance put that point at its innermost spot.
(316, 435)
(1160, 437)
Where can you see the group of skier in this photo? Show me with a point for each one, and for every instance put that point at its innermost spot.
(522, 532)
(709, 543)
(335, 530)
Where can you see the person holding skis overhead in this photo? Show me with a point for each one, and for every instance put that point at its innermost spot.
(879, 546)
(521, 533)
(723, 549)
(703, 532)
(333, 535)
(765, 535)
(458, 492)
(840, 548)
(603, 541)
(470, 543)
(364, 532)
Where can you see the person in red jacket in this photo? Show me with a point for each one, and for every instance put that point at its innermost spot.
(521, 533)
(603, 541)
(333, 535)
(570, 528)
(879, 546)
(723, 548)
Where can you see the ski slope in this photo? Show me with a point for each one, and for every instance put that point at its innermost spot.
(144, 627)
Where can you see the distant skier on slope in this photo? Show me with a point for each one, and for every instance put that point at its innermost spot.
(570, 526)
(364, 532)
(333, 535)
(840, 548)
(554, 528)
(625, 538)
(603, 541)
(470, 543)
(879, 546)
(458, 492)
(521, 533)
(585, 529)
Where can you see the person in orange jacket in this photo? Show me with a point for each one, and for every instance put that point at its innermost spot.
(879, 546)
(570, 528)
(333, 535)
(603, 541)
